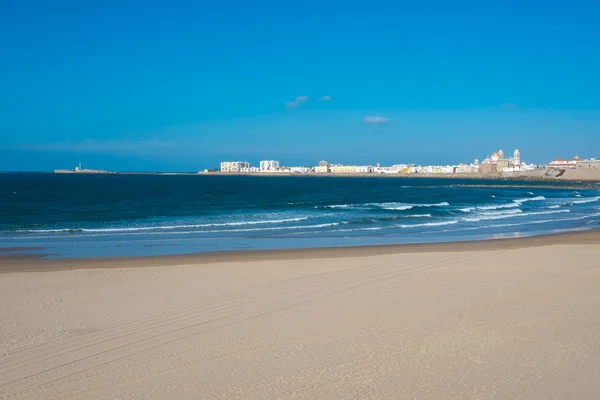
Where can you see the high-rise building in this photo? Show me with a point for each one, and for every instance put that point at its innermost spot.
(234, 166)
(269, 165)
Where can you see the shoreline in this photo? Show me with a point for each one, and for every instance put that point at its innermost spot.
(26, 262)
(511, 176)
(441, 321)
(581, 175)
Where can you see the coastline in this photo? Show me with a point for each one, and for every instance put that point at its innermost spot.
(20, 262)
(569, 176)
(540, 175)
(459, 320)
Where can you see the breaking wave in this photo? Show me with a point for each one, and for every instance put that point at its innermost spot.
(392, 206)
(537, 198)
(586, 200)
(162, 227)
(478, 218)
(441, 223)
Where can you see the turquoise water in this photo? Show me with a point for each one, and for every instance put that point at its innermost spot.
(128, 215)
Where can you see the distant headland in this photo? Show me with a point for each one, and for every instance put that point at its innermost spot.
(80, 170)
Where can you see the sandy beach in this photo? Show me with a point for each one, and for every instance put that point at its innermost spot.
(503, 319)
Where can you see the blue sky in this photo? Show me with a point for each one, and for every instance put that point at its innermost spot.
(175, 86)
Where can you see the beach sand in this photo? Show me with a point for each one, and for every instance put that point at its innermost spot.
(487, 320)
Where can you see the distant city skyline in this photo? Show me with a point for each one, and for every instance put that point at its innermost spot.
(100, 161)
(174, 86)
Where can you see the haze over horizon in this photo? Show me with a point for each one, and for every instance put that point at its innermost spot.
(169, 86)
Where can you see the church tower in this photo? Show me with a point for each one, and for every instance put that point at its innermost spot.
(517, 157)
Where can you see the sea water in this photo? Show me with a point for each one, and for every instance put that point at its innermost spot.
(131, 215)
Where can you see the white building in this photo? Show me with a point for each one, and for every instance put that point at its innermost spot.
(269, 165)
(250, 170)
(561, 163)
(364, 169)
(301, 170)
(517, 157)
(592, 163)
(519, 168)
(436, 169)
(234, 166)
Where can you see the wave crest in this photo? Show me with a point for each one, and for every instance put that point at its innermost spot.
(162, 227)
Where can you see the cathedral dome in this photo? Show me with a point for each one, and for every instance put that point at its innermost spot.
(495, 156)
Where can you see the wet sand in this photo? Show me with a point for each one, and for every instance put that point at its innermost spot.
(514, 318)
(25, 259)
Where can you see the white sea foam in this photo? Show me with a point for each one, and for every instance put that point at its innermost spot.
(442, 204)
(263, 222)
(509, 211)
(165, 227)
(273, 228)
(530, 193)
(495, 207)
(441, 223)
(407, 206)
(554, 206)
(514, 204)
(393, 206)
(478, 218)
(586, 200)
(537, 198)
(523, 223)
(336, 206)
(546, 221)
(264, 229)
(372, 228)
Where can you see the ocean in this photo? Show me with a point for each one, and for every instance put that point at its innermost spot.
(132, 215)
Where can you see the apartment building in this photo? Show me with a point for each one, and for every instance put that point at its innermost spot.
(364, 169)
(269, 165)
(592, 163)
(234, 166)
(301, 170)
(343, 169)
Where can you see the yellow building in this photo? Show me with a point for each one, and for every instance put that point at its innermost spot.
(343, 169)
(322, 169)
